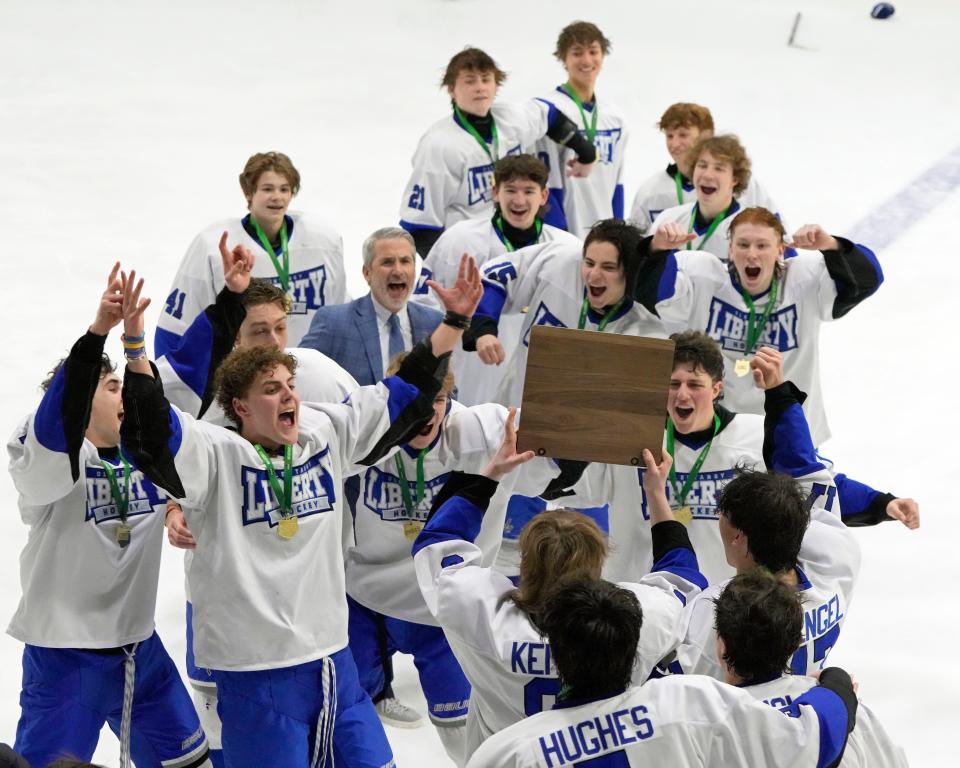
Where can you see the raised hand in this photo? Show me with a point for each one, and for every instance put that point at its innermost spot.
(907, 511)
(767, 368)
(506, 459)
(671, 236)
(178, 533)
(490, 350)
(813, 237)
(109, 312)
(132, 306)
(655, 478)
(237, 265)
(464, 295)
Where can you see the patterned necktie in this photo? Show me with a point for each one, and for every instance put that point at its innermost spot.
(395, 346)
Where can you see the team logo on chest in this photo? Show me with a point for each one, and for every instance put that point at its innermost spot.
(312, 492)
(606, 143)
(480, 184)
(144, 495)
(728, 325)
(383, 495)
(542, 316)
(702, 496)
(307, 289)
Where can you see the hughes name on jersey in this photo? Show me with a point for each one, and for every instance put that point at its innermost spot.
(546, 281)
(503, 655)
(315, 279)
(576, 204)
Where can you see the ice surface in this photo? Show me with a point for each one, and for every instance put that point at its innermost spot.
(124, 124)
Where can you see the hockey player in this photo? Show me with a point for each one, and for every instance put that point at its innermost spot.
(577, 203)
(453, 165)
(298, 253)
(495, 629)
(593, 628)
(721, 172)
(562, 287)
(708, 443)
(758, 621)
(519, 194)
(759, 299)
(270, 613)
(392, 505)
(90, 569)
(683, 125)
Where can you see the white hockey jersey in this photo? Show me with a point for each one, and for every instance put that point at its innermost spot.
(380, 573)
(718, 243)
(81, 589)
(316, 276)
(659, 192)
(259, 601)
(673, 722)
(578, 203)
(452, 176)
(503, 655)
(827, 568)
(868, 745)
(547, 279)
(477, 382)
(698, 292)
(739, 442)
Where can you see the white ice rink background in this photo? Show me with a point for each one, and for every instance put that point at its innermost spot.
(124, 125)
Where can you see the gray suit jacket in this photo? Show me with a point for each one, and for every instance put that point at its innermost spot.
(348, 333)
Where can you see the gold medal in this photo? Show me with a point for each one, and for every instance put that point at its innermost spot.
(123, 534)
(288, 527)
(683, 515)
(412, 529)
(742, 367)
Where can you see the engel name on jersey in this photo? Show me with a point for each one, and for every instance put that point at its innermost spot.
(704, 296)
(477, 382)
(505, 658)
(260, 601)
(659, 192)
(868, 745)
(739, 442)
(827, 568)
(379, 566)
(674, 721)
(81, 589)
(316, 275)
(547, 279)
(452, 176)
(584, 201)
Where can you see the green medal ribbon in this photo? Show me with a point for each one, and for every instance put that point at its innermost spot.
(606, 318)
(754, 330)
(468, 126)
(284, 493)
(711, 229)
(122, 500)
(680, 494)
(283, 270)
(678, 180)
(590, 128)
(409, 503)
(498, 225)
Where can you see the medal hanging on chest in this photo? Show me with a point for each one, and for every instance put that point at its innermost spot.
(415, 506)
(681, 510)
(288, 525)
(755, 329)
(121, 500)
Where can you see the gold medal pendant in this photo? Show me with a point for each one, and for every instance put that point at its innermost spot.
(288, 527)
(123, 534)
(683, 515)
(412, 529)
(742, 367)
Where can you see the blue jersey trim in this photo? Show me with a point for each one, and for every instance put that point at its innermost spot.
(411, 227)
(555, 216)
(667, 286)
(681, 562)
(456, 520)
(401, 395)
(832, 715)
(164, 341)
(190, 358)
(617, 202)
(793, 451)
(48, 420)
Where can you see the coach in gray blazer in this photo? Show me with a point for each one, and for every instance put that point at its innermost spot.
(363, 334)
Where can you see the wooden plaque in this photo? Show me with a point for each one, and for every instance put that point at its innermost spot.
(594, 396)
